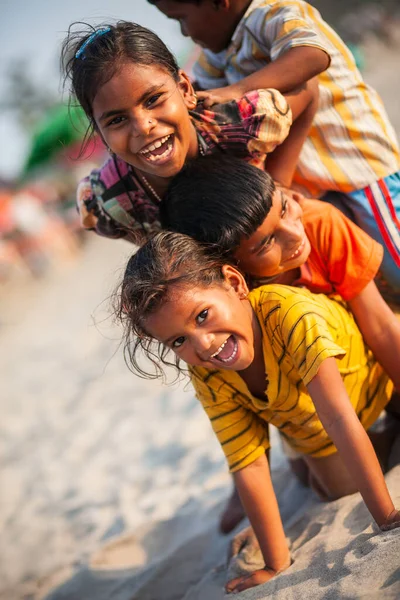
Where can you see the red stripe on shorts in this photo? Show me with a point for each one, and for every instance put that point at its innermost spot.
(395, 254)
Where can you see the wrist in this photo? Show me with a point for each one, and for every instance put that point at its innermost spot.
(392, 521)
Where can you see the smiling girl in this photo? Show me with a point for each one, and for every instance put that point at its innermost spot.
(275, 355)
(145, 110)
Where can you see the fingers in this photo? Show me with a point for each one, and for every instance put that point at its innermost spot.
(248, 581)
(207, 99)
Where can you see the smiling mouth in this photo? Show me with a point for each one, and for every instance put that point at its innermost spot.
(158, 150)
(300, 248)
(227, 352)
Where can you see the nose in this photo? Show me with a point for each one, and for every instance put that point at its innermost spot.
(141, 124)
(202, 343)
(292, 227)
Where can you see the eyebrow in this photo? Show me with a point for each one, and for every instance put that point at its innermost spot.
(192, 315)
(117, 111)
(261, 244)
(267, 237)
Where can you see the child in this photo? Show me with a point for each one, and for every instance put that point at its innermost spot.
(236, 208)
(276, 354)
(351, 151)
(144, 109)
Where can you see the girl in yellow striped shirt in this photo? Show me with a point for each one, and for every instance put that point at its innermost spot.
(276, 354)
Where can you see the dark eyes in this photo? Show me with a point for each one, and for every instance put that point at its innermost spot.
(149, 103)
(284, 207)
(178, 342)
(201, 317)
(152, 100)
(115, 121)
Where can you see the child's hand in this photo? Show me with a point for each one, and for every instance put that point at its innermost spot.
(219, 95)
(392, 521)
(239, 584)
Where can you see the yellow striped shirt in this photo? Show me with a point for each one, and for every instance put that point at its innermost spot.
(351, 143)
(300, 330)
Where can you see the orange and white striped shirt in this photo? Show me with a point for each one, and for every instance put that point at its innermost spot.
(351, 143)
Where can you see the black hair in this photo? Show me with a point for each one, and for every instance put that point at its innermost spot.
(155, 2)
(102, 56)
(217, 200)
(167, 260)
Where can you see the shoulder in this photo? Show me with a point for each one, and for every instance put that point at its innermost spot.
(273, 302)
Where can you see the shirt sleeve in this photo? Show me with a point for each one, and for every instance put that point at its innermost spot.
(305, 326)
(286, 26)
(266, 118)
(207, 73)
(242, 434)
(350, 256)
(93, 216)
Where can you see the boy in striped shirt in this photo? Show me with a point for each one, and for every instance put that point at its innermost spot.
(351, 156)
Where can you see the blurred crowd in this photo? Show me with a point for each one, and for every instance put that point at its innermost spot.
(39, 223)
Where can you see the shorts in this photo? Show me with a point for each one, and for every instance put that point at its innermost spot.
(376, 210)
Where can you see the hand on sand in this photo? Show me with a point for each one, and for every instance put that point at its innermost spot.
(248, 581)
(218, 96)
(392, 521)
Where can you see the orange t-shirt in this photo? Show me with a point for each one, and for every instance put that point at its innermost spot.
(343, 258)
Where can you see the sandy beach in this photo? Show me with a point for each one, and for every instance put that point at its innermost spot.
(112, 486)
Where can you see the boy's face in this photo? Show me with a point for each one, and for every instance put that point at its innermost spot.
(211, 327)
(206, 22)
(279, 244)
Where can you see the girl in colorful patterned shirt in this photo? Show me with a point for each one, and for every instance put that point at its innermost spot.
(145, 110)
(276, 355)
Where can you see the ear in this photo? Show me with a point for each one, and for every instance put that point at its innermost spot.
(223, 4)
(236, 281)
(187, 91)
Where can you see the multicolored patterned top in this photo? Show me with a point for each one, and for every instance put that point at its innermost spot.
(351, 143)
(112, 200)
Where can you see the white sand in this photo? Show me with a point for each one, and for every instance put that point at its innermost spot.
(337, 553)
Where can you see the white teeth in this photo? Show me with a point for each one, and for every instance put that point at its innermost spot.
(299, 249)
(155, 145)
(219, 349)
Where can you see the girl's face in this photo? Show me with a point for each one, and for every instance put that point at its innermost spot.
(142, 116)
(208, 326)
(279, 244)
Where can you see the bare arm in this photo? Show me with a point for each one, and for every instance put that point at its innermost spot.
(344, 428)
(291, 70)
(258, 497)
(282, 162)
(380, 329)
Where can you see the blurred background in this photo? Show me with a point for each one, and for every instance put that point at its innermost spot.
(83, 457)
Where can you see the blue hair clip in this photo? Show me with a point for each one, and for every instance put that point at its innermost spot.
(100, 31)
